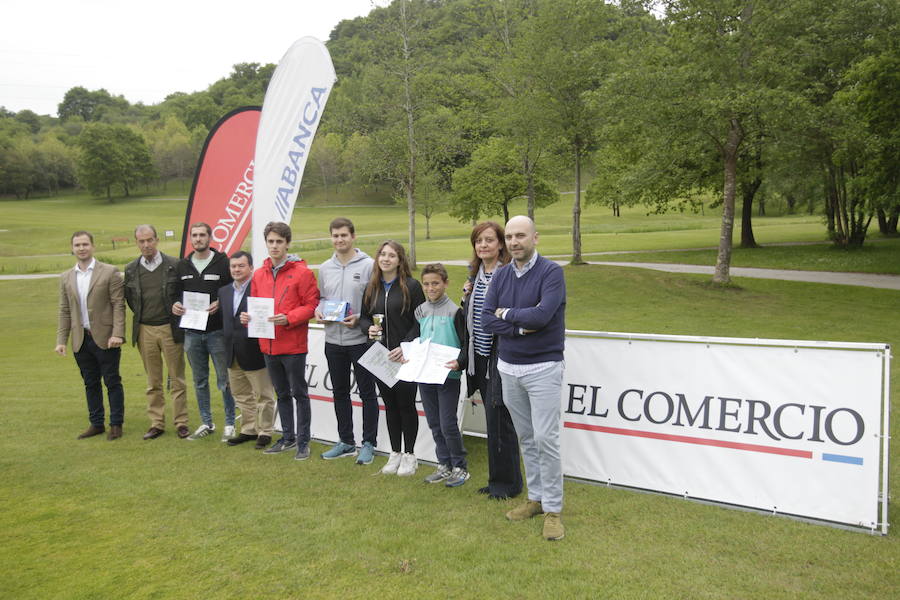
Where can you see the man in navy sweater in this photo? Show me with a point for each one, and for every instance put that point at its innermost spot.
(525, 307)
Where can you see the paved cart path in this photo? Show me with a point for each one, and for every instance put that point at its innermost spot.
(874, 280)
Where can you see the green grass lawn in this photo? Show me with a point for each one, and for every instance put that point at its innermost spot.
(175, 519)
(879, 255)
(35, 233)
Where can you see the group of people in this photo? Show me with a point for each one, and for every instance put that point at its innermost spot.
(509, 332)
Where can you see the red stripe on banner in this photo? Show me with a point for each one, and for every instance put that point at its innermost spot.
(690, 440)
(354, 403)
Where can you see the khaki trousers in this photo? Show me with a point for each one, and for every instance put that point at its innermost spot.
(155, 343)
(254, 395)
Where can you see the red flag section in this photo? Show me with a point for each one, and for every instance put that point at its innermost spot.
(222, 194)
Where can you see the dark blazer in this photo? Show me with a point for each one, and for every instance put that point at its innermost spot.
(237, 344)
(133, 295)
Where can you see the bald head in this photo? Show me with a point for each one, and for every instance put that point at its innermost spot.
(521, 239)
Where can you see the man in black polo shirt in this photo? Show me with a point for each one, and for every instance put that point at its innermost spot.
(204, 271)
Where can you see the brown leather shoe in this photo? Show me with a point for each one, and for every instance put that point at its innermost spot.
(153, 433)
(263, 441)
(91, 432)
(115, 432)
(183, 431)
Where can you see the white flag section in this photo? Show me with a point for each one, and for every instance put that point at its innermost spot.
(789, 427)
(291, 112)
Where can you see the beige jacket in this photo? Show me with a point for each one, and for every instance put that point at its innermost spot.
(106, 307)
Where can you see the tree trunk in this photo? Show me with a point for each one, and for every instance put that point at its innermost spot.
(887, 223)
(410, 183)
(576, 212)
(748, 191)
(730, 153)
(529, 179)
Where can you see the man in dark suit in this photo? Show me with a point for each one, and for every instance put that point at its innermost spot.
(92, 311)
(247, 375)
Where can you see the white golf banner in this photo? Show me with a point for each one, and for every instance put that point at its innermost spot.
(789, 427)
(324, 423)
(291, 111)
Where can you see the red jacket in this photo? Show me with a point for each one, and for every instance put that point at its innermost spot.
(296, 295)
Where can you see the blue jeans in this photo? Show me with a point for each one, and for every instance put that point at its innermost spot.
(200, 347)
(288, 375)
(96, 363)
(340, 359)
(534, 405)
(440, 403)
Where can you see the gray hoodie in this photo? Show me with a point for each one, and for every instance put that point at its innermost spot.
(345, 282)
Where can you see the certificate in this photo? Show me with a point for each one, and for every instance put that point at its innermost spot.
(196, 311)
(260, 309)
(425, 361)
(376, 362)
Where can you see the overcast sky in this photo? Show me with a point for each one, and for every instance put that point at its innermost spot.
(147, 50)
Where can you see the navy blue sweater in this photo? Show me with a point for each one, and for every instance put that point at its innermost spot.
(537, 301)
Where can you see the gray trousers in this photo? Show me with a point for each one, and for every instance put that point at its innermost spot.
(534, 404)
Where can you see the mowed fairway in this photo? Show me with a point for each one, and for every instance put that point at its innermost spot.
(176, 519)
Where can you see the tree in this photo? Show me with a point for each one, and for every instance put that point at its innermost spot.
(90, 106)
(873, 91)
(491, 180)
(830, 51)
(327, 155)
(112, 155)
(432, 199)
(566, 47)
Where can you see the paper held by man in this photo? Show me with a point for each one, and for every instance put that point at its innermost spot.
(196, 311)
(425, 362)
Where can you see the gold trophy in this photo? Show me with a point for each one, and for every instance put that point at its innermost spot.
(378, 319)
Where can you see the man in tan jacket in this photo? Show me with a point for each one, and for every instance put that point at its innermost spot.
(92, 310)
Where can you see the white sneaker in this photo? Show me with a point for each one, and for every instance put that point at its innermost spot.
(228, 433)
(390, 468)
(202, 431)
(408, 465)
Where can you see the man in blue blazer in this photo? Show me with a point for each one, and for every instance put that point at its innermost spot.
(247, 375)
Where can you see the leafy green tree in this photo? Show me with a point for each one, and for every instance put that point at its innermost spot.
(873, 91)
(830, 45)
(113, 155)
(88, 105)
(491, 180)
(327, 156)
(29, 118)
(18, 167)
(567, 46)
(173, 151)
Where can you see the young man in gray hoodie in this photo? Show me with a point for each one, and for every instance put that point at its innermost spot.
(343, 279)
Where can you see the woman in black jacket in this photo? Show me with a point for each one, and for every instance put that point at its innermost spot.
(393, 293)
(504, 474)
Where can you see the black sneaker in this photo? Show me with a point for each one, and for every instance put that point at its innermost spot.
(302, 453)
(280, 446)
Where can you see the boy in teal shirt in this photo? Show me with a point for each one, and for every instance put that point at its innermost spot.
(440, 320)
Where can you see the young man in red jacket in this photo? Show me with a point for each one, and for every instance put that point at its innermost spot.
(286, 278)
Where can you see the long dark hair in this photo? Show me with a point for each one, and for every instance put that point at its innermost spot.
(375, 287)
(502, 258)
